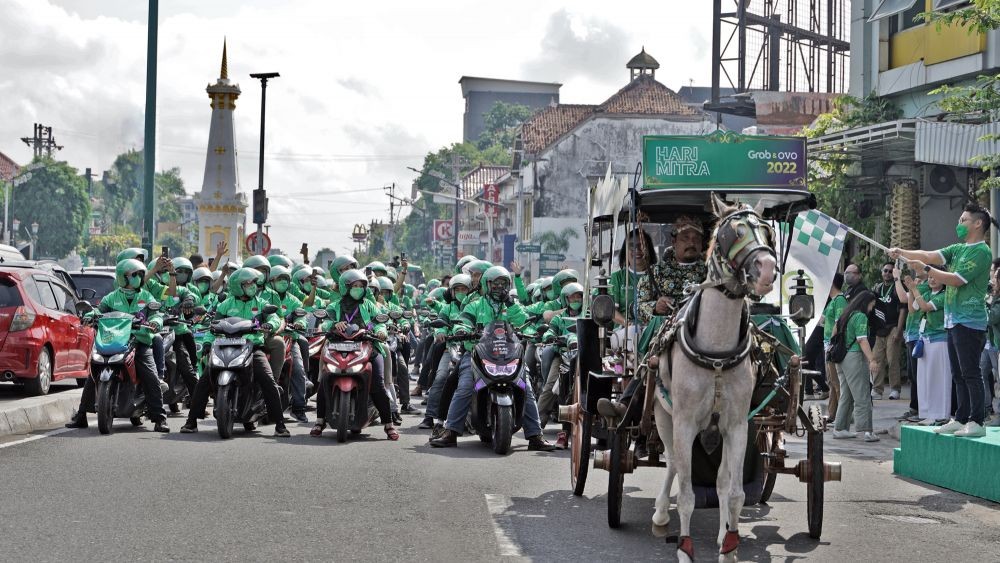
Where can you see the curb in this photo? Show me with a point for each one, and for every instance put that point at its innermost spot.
(23, 416)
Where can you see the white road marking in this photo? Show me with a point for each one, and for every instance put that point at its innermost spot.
(35, 437)
(498, 505)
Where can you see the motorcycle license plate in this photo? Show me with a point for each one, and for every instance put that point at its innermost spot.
(345, 346)
(229, 341)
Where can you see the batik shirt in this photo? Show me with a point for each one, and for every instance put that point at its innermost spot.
(667, 279)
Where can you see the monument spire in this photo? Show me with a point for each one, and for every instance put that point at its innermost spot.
(224, 73)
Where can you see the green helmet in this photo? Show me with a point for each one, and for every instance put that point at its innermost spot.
(463, 261)
(349, 277)
(494, 274)
(232, 265)
(300, 275)
(422, 286)
(567, 290)
(126, 269)
(339, 262)
(184, 268)
(564, 277)
(545, 287)
(461, 279)
(319, 272)
(391, 273)
(279, 260)
(131, 253)
(437, 294)
(322, 282)
(377, 267)
(477, 266)
(530, 290)
(201, 274)
(433, 284)
(241, 279)
(256, 262)
(409, 290)
(279, 271)
(384, 283)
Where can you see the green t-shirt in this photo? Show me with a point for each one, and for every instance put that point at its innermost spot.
(911, 330)
(933, 325)
(966, 305)
(622, 288)
(831, 313)
(857, 328)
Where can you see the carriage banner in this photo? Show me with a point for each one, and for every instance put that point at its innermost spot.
(723, 159)
(816, 246)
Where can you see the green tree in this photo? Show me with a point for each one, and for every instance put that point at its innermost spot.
(56, 198)
(122, 188)
(980, 16)
(103, 248)
(175, 243)
(501, 123)
(554, 242)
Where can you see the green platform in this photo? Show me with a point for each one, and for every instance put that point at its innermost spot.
(965, 465)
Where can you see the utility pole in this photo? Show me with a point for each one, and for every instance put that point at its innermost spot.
(259, 195)
(393, 199)
(149, 138)
(456, 172)
(41, 140)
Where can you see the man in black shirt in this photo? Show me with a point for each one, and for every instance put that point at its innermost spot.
(888, 334)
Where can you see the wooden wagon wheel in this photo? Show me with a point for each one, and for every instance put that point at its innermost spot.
(770, 443)
(814, 485)
(579, 444)
(616, 480)
(794, 392)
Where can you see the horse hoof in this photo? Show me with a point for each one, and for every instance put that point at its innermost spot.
(728, 557)
(685, 550)
(661, 519)
(659, 531)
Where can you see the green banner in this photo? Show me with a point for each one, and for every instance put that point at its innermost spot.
(723, 159)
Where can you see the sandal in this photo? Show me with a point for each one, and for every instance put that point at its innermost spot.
(390, 432)
(317, 430)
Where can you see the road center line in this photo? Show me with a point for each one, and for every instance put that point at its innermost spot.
(498, 505)
(35, 437)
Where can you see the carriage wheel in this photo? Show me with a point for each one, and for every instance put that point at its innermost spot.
(580, 452)
(814, 487)
(616, 479)
(768, 442)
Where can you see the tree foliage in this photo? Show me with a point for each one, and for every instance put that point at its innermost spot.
(175, 243)
(980, 16)
(501, 123)
(122, 194)
(102, 249)
(56, 198)
(554, 242)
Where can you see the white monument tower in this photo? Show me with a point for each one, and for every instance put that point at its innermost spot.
(221, 205)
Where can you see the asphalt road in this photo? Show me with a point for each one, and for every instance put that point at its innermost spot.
(139, 495)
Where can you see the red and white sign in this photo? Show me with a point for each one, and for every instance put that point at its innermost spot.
(469, 237)
(442, 230)
(491, 193)
(255, 245)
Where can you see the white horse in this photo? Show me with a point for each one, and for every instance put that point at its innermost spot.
(706, 376)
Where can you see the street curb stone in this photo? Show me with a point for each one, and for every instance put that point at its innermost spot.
(35, 413)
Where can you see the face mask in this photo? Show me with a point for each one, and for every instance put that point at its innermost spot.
(575, 305)
(134, 282)
(962, 231)
(182, 278)
(281, 286)
(357, 293)
(551, 295)
(250, 290)
(307, 287)
(203, 287)
(460, 295)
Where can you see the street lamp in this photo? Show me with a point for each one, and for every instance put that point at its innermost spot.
(259, 195)
(16, 225)
(34, 240)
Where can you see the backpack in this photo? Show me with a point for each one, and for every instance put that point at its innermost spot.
(838, 348)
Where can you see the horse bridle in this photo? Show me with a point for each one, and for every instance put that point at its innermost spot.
(738, 236)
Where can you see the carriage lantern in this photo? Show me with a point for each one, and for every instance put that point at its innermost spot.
(801, 307)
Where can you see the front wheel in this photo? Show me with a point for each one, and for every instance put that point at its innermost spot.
(343, 407)
(815, 485)
(105, 406)
(225, 410)
(616, 479)
(503, 428)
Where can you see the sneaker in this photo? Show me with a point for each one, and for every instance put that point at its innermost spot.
(281, 431)
(876, 396)
(409, 409)
(871, 437)
(161, 426)
(190, 427)
(820, 396)
(950, 428)
(300, 416)
(971, 430)
(910, 413)
(893, 395)
(843, 434)
(995, 422)
(927, 422)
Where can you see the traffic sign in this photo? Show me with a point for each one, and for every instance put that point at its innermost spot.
(442, 230)
(548, 271)
(526, 247)
(258, 246)
(552, 257)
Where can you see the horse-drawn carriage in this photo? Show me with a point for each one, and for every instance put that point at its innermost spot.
(681, 177)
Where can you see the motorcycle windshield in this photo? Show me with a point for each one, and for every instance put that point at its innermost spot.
(113, 333)
(499, 345)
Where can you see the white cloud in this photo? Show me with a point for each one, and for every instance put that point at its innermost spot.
(365, 89)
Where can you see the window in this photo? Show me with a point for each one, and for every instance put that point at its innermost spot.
(891, 8)
(943, 4)
(64, 297)
(45, 296)
(9, 295)
(908, 18)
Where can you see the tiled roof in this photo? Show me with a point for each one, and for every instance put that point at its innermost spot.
(472, 183)
(642, 96)
(8, 168)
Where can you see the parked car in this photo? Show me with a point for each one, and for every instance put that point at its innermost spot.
(41, 337)
(8, 252)
(49, 266)
(99, 279)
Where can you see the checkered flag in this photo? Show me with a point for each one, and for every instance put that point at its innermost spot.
(820, 232)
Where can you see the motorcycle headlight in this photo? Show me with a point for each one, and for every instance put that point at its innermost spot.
(217, 362)
(95, 357)
(500, 370)
(356, 367)
(242, 357)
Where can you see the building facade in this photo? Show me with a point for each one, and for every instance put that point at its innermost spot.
(481, 94)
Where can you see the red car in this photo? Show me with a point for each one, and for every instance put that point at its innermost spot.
(41, 337)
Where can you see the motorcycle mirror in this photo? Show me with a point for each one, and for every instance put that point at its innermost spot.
(381, 318)
(300, 312)
(542, 328)
(439, 323)
(154, 306)
(83, 307)
(199, 310)
(395, 315)
(407, 315)
(270, 309)
(320, 313)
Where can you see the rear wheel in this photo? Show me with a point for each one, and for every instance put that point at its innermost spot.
(40, 384)
(343, 408)
(105, 406)
(580, 442)
(225, 411)
(503, 429)
(616, 480)
(814, 488)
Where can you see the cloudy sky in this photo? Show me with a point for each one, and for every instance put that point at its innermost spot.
(366, 88)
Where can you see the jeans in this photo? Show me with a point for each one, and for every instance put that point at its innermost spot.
(988, 367)
(437, 388)
(300, 357)
(965, 346)
(145, 369)
(462, 402)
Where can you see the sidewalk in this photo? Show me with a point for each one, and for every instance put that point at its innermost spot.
(885, 418)
(25, 415)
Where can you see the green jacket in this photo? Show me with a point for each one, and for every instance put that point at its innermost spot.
(118, 301)
(482, 312)
(559, 326)
(366, 309)
(249, 309)
(183, 292)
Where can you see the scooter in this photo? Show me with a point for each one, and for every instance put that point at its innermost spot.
(345, 379)
(237, 396)
(498, 405)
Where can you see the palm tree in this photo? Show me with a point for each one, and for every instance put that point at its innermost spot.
(556, 243)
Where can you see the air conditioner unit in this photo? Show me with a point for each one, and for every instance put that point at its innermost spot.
(945, 181)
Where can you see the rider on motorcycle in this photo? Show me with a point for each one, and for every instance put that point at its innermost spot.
(281, 283)
(354, 306)
(130, 297)
(184, 301)
(386, 303)
(494, 304)
(245, 303)
(274, 345)
(202, 280)
(457, 291)
(571, 301)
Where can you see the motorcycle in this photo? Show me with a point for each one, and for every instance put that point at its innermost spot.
(237, 396)
(345, 379)
(498, 405)
(291, 335)
(112, 367)
(177, 391)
